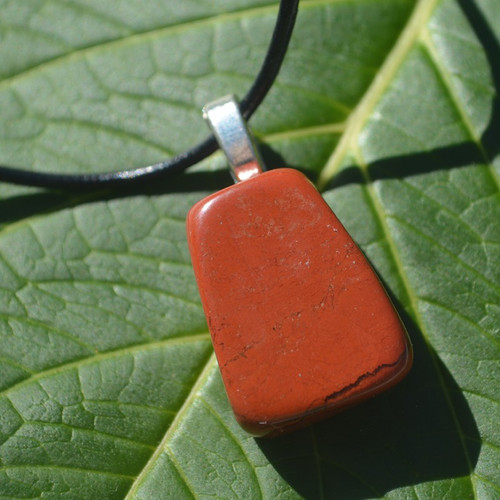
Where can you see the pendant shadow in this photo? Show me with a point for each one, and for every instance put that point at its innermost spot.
(422, 430)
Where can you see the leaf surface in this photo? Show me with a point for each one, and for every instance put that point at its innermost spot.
(109, 386)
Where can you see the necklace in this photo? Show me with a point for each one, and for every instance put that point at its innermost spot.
(301, 326)
(300, 323)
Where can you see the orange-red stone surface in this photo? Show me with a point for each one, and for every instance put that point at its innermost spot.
(300, 324)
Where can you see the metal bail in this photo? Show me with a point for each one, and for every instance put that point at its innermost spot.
(232, 134)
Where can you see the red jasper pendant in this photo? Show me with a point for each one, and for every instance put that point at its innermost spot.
(300, 323)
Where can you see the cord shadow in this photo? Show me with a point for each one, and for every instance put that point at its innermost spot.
(404, 166)
(19, 207)
(35, 201)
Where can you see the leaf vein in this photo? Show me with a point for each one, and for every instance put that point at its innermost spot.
(391, 65)
(122, 351)
(173, 426)
(448, 84)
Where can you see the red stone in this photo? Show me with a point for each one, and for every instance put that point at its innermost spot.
(301, 326)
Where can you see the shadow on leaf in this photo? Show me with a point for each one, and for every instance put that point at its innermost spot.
(456, 155)
(423, 430)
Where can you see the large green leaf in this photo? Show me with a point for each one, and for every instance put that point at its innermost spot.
(109, 385)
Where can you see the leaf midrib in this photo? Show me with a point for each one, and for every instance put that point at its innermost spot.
(413, 306)
(418, 19)
(204, 374)
(404, 45)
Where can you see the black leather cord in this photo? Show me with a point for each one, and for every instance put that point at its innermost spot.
(126, 178)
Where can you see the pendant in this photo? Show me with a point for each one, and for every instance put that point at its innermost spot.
(301, 326)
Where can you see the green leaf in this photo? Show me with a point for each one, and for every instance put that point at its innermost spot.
(109, 387)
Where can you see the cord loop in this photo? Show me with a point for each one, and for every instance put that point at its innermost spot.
(125, 178)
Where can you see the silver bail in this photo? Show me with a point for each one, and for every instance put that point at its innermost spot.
(234, 138)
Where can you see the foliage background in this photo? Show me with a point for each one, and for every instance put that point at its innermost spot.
(109, 388)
